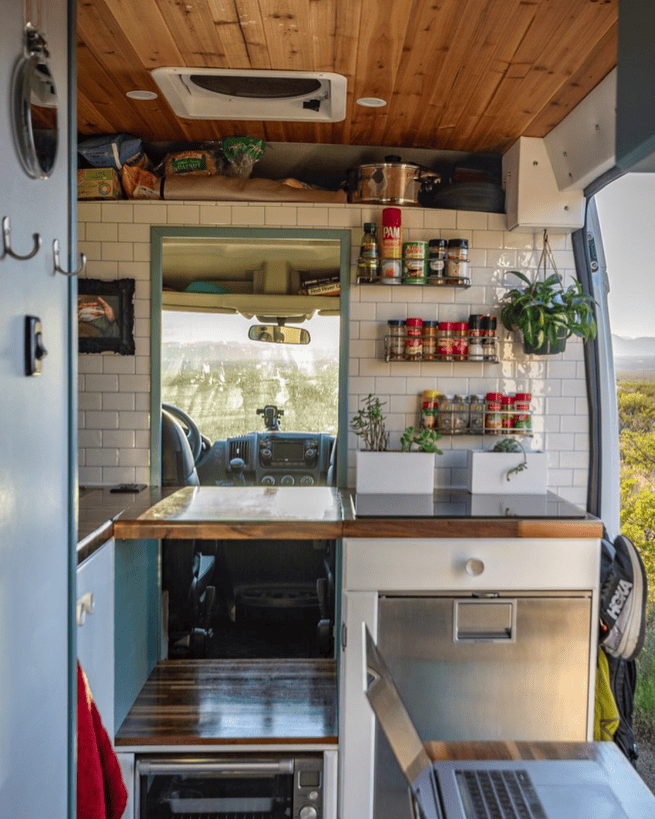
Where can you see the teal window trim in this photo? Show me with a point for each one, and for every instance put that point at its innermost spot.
(157, 236)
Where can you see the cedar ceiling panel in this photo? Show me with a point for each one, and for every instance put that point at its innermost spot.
(194, 31)
(347, 22)
(144, 26)
(594, 69)
(427, 41)
(114, 53)
(563, 36)
(382, 30)
(225, 17)
(252, 28)
(89, 119)
(287, 27)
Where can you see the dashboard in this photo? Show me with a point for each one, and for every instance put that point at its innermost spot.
(270, 458)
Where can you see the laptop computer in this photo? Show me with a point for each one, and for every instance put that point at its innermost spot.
(485, 789)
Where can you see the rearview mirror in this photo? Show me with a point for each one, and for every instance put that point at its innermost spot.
(275, 334)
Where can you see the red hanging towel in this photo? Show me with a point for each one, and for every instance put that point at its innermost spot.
(101, 792)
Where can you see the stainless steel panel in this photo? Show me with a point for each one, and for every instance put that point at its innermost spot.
(534, 687)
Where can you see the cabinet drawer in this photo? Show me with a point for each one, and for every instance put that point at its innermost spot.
(380, 564)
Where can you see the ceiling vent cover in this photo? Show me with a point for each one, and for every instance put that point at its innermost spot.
(221, 93)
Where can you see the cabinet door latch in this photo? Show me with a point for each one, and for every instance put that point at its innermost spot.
(344, 636)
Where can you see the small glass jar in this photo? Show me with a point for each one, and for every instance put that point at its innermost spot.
(523, 418)
(461, 413)
(475, 325)
(489, 349)
(457, 259)
(522, 400)
(396, 339)
(428, 413)
(413, 339)
(507, 402)
(493, 416)
(445, 341)
(460, 341)
(436, 261)
(488, 326)
(476, 413)
(476, 350)
(445, 414)
(429, 340)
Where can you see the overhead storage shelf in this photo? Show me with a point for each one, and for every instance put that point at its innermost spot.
(250, 305)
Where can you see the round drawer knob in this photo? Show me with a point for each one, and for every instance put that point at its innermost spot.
(308, 812)
(474, 567)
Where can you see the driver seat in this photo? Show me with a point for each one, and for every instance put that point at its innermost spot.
(187, 565)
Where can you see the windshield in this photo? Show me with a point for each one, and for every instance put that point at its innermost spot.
(215, 373)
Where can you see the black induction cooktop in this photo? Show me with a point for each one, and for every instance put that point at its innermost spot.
(459, 503)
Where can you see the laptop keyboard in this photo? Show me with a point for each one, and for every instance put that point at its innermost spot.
(498, 795)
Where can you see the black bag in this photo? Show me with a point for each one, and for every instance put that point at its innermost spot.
(623, 593)
(623, 681)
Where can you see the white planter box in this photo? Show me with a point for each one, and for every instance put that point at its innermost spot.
(487, 473)
(399, 473)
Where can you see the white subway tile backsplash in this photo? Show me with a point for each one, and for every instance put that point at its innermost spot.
(117, 236)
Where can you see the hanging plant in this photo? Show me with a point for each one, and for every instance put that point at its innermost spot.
(546, 312)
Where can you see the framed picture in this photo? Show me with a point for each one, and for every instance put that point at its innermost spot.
(105, 316)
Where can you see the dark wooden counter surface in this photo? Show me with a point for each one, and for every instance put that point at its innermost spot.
(234, 702)
(289, 513)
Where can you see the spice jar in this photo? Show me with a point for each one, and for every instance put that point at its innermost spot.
(429, 340)
(522, 419)
(493, 418)
(488, 326)
(368, 264)
(476, 350)
(457, 259)
(460, 341)
(413, 338)
(436, 261)
(507, 402)
(476, 413)
(428, 413)
(475, 325)
(396, 340)
(460, 413)
(445, 341)
(445, 414)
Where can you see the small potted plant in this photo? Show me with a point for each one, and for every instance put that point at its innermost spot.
(380, 471)
(507, 469)
(546, 312)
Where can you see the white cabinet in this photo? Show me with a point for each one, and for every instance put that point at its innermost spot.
(408, 592)
(95, 628)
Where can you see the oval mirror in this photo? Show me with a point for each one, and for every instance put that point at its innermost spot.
(35, 108)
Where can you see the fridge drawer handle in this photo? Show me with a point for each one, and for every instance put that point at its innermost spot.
(474, 567)
(217, 767)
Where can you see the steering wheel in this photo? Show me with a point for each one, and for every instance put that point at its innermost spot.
(192, 432)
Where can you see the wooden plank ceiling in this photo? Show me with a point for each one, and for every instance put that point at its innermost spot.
(465, 75)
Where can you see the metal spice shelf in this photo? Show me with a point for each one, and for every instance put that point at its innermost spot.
(463, 283)
(491, 358)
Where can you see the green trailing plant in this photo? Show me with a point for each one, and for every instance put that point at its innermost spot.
(369, 424)
(424, 439)
(546, 311)
(512, 445)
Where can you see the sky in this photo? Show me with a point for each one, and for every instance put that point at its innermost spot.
(626, 210)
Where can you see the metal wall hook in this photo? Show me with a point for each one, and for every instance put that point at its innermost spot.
(7, 251)
(58, 269)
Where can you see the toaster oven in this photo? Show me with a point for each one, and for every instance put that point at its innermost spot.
(246, 786)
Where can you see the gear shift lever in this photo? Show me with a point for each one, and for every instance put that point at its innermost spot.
(237, 465)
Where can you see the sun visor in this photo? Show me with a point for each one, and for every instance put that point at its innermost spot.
(221, 93)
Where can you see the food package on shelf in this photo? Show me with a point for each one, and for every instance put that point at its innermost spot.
(98, 183)
(235, 189)
(203, 160)
(241, 154)
(139, 183)
(113, 151)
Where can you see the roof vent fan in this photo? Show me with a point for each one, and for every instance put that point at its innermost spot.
(221, 93)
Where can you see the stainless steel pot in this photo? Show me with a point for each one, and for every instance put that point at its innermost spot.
(391, 182)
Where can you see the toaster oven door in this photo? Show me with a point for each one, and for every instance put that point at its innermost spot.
(244, 786)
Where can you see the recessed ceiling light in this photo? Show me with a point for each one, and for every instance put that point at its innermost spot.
(371, 102)
(141, 95)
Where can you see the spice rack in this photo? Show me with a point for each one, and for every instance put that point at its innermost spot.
(463, 283)
(452, 415)
(487, 358)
